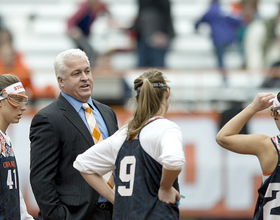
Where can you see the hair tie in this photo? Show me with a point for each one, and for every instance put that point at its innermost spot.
(145, 80)
(155, 85)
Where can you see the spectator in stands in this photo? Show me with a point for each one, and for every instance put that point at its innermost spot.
(254, 37)
(247, 10)
(223, 31)
(154, 31)
(11, 61)
(272, 40)
(272, 79)
(79, 24)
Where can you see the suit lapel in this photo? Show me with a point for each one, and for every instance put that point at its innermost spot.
(105, 115)
(70, 113)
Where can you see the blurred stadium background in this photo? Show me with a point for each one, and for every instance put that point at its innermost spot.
(217, 184)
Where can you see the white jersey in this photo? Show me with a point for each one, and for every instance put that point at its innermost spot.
(162, 140)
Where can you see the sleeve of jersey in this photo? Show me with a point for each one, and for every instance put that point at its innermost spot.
(23, 210)
(100, 158)
(172, 155)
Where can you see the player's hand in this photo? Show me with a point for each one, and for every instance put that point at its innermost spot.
(169, 196)
(262, 101)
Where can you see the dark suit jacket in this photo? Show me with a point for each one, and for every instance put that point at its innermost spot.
(57, 136)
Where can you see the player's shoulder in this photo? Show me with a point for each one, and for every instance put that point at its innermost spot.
(166, 123)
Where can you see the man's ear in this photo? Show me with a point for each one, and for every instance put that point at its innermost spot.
(60, 81)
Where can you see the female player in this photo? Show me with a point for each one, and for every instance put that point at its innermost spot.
(13, 103)
(265, 148)
(146, 155)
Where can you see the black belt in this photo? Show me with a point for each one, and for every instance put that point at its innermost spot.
(104, 205)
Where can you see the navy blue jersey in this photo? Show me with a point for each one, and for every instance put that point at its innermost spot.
(9, 188)
(137, 181)
(268, 204)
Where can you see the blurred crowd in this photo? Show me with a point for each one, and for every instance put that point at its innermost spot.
(234, 26)
(152, 30)
(257, 39)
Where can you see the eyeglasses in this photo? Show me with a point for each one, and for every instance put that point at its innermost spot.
(274, 112)
(15, 99)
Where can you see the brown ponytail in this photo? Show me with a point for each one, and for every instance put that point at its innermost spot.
(150, 87)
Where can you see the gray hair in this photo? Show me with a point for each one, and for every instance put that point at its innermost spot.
(59, 62)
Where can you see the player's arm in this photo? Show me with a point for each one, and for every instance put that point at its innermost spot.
(99, 184)
(99, 160)
(229, 137)
(23, 210)
(254, 144)
(166, 192)
(172, 159)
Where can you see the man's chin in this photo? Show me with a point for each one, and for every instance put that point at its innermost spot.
(84, 97)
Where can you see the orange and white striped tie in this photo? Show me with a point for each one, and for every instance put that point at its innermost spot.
(96, 135)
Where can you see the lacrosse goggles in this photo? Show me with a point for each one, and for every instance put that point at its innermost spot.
(275, 109)
(11, 94)
(275, 112)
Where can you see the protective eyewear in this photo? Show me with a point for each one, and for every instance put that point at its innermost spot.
(15, 99)
(274, 112)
